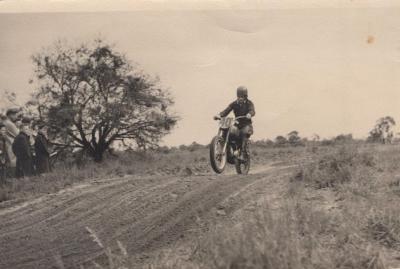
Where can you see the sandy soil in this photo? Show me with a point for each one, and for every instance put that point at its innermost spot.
(147, 214)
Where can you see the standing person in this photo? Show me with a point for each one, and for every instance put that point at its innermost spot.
(22, 150)
(4, 160)
(42, 150)
(11, 132)
(241, 107)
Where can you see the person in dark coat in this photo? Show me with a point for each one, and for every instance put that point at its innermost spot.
(22, 150)
(4, 160)
(42, 150)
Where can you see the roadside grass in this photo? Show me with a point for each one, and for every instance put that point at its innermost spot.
(125, 164)
(340, 211)
(334, 168)
(178, 162)
(298, 237)
(117, 258)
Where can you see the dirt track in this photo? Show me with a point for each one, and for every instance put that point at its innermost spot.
(147, 214)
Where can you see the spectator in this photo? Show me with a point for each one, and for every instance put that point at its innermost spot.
(22, 150)
(4, 160)
(42, 150)
(11, 132)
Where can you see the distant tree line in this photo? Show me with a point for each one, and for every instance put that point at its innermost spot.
(382, 132)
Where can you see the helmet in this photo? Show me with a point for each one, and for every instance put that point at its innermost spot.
(241, 91)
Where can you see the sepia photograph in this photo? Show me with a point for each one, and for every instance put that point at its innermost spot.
(196, 134)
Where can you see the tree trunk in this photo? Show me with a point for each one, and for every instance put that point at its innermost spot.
(98, 157)
(98, 153)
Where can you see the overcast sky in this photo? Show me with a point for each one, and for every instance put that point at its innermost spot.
(124, 5)
(317, 70)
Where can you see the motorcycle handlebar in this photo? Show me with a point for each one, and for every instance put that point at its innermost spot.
(217, 118)
(240, 117)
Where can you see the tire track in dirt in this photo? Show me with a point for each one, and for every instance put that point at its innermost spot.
(144, 213)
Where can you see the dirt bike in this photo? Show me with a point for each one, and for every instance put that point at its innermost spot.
(226, 147)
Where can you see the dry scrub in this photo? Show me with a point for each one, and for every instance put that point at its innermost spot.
(340, 211)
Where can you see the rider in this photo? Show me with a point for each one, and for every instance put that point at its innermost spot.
(242, 107)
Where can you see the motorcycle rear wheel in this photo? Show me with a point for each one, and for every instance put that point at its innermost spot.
(243, 166)
(217, 157)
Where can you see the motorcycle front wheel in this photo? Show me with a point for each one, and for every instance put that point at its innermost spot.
(217, 154)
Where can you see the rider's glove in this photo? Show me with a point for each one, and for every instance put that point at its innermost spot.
(248, 116)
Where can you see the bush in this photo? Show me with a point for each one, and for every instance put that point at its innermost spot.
(334, 168)
(298, 237)
(384, 227)
(265, 143)
(327, 142)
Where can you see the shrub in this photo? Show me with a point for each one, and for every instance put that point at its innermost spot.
(298, 237)
(384, 227)
(334, 168)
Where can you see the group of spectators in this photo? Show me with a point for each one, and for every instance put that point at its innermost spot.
(24, 146)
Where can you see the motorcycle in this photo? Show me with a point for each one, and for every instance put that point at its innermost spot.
(226, 147)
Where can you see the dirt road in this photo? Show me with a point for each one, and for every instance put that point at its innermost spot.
(146, 214)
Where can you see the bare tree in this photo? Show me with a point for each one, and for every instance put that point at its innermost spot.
(92, 96)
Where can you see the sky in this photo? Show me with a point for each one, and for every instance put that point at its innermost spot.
(318, 67)
(129, 5)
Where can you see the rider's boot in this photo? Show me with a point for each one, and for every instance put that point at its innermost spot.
(243, 151)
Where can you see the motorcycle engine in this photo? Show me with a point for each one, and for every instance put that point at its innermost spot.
(230, 155)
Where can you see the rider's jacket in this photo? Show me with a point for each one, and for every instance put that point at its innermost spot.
(240, 109)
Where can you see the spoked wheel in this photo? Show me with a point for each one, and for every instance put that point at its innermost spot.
(217, 155)
(243, 165)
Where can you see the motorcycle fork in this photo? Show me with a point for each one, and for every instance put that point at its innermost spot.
(226, 140)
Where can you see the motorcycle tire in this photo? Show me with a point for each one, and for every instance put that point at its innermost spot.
(243, 166)
(217, 159)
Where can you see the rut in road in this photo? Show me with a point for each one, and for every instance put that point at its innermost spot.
(144, 213)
